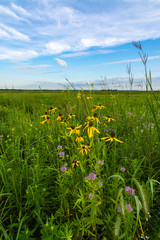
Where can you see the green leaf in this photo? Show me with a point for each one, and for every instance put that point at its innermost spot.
(138, 206)
(122, 236)
(99, 221)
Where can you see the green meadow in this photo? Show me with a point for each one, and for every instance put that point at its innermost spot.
(79, 165)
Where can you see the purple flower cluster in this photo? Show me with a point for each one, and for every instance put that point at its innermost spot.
(119, 209)
(107, 130)
(100, 184)
(101, 162)
(61, 154)
(131, 191)
(91, 176)
(91, 196)
(59, 146)
(63, 169)
(129, 113)
(122, 169)
(128, 206)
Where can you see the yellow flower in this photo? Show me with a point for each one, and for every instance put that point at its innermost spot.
(59, 118)
(79, 139)
(91, 129)
(45, 115)
(78, 95)
(111, 138)
(92, 85)
(70, 116)
(100, 106)
(52, 110)
(93, 109)
(84, 149)
(109, 118)
(89, 97)
(65, 122)
(46, 120)
(75, 163)
(74, 129)
(94, 118)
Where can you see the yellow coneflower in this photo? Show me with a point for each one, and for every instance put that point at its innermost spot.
(89, 97)
(109, 118)
(92, 85)
(93, 109)
(74, 129)
(46, 120)
(88, 119)
(75, 163)
(71, 116)
(52, 110)
(100, 106)
(59, 118)
(111, 138)
(94, 118)
(91, 129)
(84, 149)
(45, 115)
(78, 95)
(79, 139)
(65, 122)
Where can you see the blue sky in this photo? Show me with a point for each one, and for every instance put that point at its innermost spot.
(42, 42)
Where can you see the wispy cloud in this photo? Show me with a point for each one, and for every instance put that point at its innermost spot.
(60, 27)
(53, 72)
(75, 29)
(13, 33)
(61, 62)
(87, 53)
(20, 10)
(125, 61)
(9, 12)
(16, 55)
(35, 67)
(4, 34)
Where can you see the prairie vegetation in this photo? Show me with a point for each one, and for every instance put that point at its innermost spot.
(79, 165)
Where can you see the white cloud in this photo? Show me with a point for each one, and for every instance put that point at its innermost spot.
(16, 55)
(61, 62)
(57, 47)
(79, 30)
(89, 42)
(20, 10)
(56, 27)
(13, 33)
(125, 61)
(28, 67)
(4, 34)
(87, 53)
(7, 11)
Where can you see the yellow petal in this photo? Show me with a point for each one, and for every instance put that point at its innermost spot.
(108, 140)
(117, 140)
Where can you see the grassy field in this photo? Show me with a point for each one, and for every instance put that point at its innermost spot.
(79, 165)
